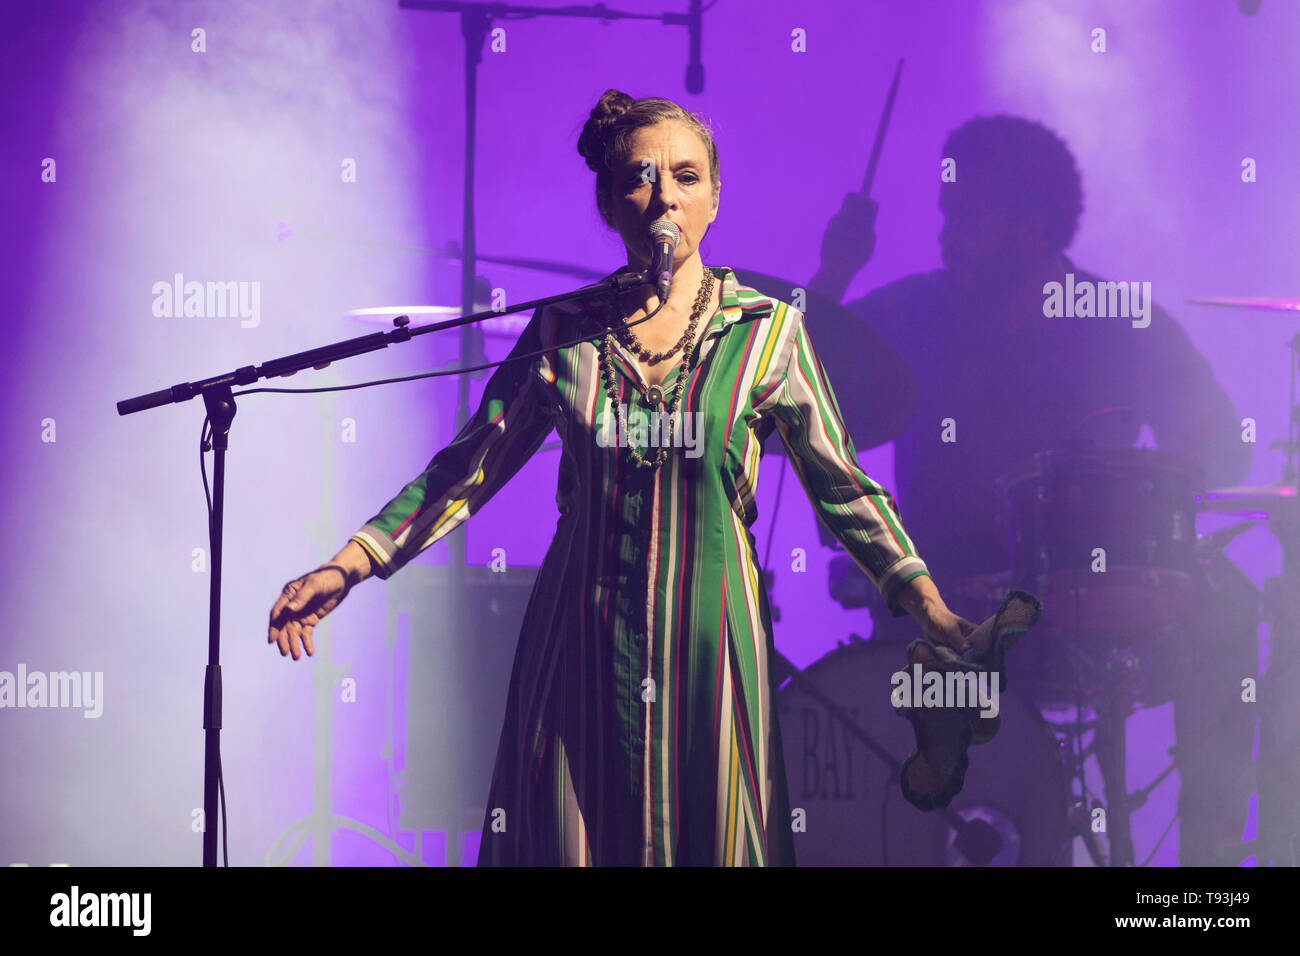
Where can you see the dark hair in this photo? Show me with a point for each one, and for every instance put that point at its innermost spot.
(1025, 165)
(608, 132)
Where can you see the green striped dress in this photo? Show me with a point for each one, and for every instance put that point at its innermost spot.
(640, 723)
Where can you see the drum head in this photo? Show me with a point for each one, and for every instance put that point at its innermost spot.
(854, 811)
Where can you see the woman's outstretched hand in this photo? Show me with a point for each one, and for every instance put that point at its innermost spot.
(949, 629)
(301, 606)
(922, 600)
(305, 600)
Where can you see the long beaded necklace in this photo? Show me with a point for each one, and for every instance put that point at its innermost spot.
(654, 394)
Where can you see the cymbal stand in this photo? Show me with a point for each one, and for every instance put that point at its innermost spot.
(1278, 766)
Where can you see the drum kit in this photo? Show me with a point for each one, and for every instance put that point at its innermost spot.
(1105, 644)
(1106, 538)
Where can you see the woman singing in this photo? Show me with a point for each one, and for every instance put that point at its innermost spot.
(640, 724)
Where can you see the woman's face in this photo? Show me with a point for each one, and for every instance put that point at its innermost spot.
(665, 176)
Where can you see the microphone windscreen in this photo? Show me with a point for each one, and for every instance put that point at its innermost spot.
(665, 227)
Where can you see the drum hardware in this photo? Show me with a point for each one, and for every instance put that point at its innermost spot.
(1080, 825)
(1208, 545)
(1278, 761)
(1111, 743)
(1109, 747)
(1113, 628)
(991, 839)
(1118, 801)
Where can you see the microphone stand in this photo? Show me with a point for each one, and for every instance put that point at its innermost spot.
(219, 401)
(476, 20)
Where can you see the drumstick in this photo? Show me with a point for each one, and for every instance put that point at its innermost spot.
(880, 132)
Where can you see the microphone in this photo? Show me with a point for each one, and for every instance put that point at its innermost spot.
(664, 236)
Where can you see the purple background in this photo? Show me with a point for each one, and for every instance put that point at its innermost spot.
(225, 165)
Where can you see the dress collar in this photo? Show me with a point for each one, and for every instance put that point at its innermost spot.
(739, 302)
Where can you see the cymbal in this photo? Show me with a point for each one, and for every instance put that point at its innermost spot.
(1267, 305)
(873, 386)
(1274, 495)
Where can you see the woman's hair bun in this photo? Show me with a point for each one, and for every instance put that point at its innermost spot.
(596, 131)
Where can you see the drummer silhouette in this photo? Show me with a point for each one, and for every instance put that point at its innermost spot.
(1001, 376)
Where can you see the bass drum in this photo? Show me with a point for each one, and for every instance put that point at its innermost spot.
(853, 810)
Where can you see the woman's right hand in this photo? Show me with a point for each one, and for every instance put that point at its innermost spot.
(301, 606)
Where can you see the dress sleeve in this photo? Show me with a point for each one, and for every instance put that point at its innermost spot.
(513, 418)
(859, 512)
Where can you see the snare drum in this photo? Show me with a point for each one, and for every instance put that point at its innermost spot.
(1106, 539)
(1106, 522)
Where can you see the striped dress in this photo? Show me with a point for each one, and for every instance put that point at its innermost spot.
(640, 723)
